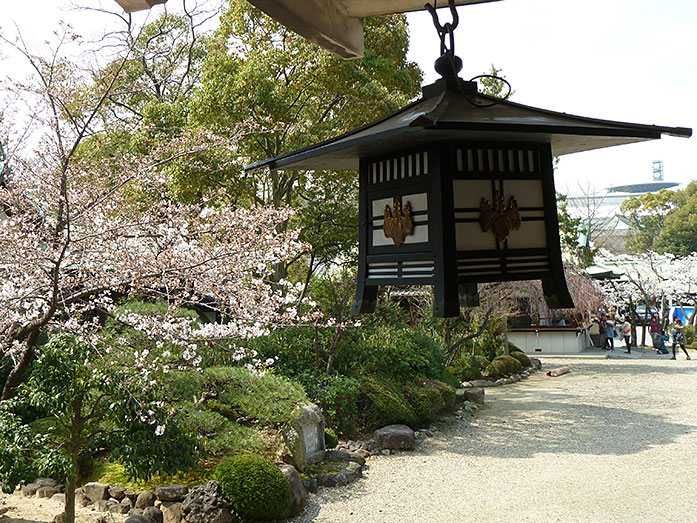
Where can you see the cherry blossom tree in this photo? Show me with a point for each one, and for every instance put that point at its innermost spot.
(84, 227)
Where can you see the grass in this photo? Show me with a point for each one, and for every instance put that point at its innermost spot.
(114, 474)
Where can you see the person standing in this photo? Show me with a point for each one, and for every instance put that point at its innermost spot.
(655, 331)
(679, 337)
(626, 334)
(610, 331)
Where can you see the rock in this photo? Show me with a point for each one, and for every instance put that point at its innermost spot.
(60, 518)
(81, 500)
(297, 491)
(395, 437)
(30, 489)
(173, 513)
(145, 499)
(154, 513)
(474, 394)
(353, 471)
(59, 497)
(303, 438)
(465, 385)
(46, 492)
(4, 509)
(45, 482)
(536, 363)
(120, 508)
(131, 495)
(171, 492)
(499, 382)
(326, 480)
(96, 491)
(206, 504)
(343, 455)
(139, 518)
(481, 383)
(363, 453)
(310, 484)
(103, 505)
(118, 493)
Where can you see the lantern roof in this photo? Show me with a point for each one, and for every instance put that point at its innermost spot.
(456, 111)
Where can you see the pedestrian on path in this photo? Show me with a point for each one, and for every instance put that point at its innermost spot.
(679, 337)
(655, 330)
(626, 334)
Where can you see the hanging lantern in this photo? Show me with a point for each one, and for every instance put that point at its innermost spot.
(457, 189)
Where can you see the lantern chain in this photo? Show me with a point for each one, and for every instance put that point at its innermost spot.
(448, 64)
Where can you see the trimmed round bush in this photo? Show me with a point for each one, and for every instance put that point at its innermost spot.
(330, 439)
(522, 358)
(502, 366)
(255, 487)
(514, 348)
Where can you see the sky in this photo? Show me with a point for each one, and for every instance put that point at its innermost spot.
(626, 60)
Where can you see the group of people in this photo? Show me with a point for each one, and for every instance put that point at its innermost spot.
(612, 325)
(659, 337)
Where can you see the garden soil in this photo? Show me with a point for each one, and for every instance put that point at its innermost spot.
(612, 441)
(42, 510)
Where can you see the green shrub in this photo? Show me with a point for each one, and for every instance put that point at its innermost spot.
(513, 348)
(427, 402)
(449, 377)
(690, 336)
(337, 396)
(470, 367)
(446, 392)
(522, 358)
(254, 486)
(386, 403)
(330, 439)
(503, 366)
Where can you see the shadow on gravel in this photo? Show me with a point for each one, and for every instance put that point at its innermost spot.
(532, 423)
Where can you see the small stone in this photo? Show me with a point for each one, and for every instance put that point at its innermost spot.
(45, 482)
(145, 499)
(386, 452)
(173, 513)
(395, 437)
(139, 518)
(81, 500)
(116, 492)
(131, 495)
(481, 383)
(154, 513)
(171, 492)
(473, 394)
(363, 453)
(46, 492)
(30, 489)
(96, 491)
(103, 505)
(60, 518)
(120, 508)
(310, 484)
(326, 480)
(59, 497)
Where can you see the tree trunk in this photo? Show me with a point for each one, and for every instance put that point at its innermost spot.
(15, 377)
(70, 485)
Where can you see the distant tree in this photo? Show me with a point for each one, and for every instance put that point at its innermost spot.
(647, 216)
(679, 233)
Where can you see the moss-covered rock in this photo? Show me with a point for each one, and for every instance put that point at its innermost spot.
(502, 366)
(254, 486)
(522, 358)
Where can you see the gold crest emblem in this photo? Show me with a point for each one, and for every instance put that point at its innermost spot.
(398, 222)
(501, 218)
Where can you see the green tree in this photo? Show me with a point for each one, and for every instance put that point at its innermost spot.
(647, 216)
(81, 397)
(679, 233)
(293, 94)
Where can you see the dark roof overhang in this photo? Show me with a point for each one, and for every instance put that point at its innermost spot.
(449, 112)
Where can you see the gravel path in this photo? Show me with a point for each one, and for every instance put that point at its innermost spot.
(614, 440)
